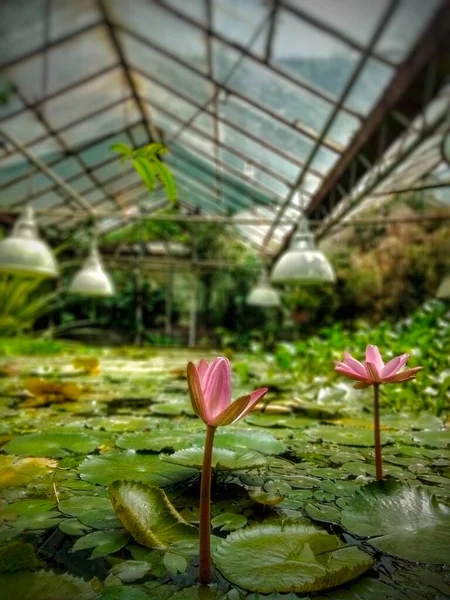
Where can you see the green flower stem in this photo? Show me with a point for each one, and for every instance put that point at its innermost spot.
(205, 508)
(376, 428)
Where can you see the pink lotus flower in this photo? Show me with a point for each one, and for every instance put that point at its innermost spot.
(373, 370)
(210, 392)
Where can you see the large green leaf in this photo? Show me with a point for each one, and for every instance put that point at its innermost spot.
(222, 459)
(132, 467)
(233, 439)
(346, 436)
(103, 542)
(58, 444)
(44, 585)
(402, 520)
(146, 512)
(294, 558)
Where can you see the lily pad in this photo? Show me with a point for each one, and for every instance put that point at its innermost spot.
(222, 459)
(154, 441)
(294, 558)
(146, 512)
(133, 467)
(103, 542)
(401, 520)
(15, 471)
(261, 441)
(56, 444)
(44, 585)
(346, 436)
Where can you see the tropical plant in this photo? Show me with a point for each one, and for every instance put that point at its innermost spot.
(149, 166)
(22, 302)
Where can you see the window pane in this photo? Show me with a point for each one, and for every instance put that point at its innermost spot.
(356, 19)
(192, 8)
(165, 69)
(86, 99)
(67, 63)
(163, 29)
(312, 55)
(269, 90)
(370, 85)
(405, 27)
(238, 20)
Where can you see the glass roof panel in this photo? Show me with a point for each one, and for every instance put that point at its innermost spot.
(163, 29)
(312, 55)
(110, 170)
(13, 103)
(67, 63)
(259, 153)
(238, 21)
(154, 93)
(25, 127)
(106, 122)
(405, 26)
(97, 153)
(23, 23)
(165, 69)
(81, 184)
(85, 99)
(356, 19)
(270, 90)
(370, 85)
(67, 168)
(192, 8)
(123, 182)
(266, 128)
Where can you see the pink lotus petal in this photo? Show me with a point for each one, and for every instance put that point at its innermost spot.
(394, 365)
(350, 374)
(372, 372)
(354, 364)
(196, 393)
(217, 386)
(373, 356)
(403, 376)
(202, 368)
(255, 397)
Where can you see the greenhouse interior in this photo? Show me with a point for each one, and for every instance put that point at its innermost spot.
(224, 299)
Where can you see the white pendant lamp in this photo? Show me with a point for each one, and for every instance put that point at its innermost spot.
(303, 262)
(92, 279)
(263, 294)
(24, 253)
(443, 292)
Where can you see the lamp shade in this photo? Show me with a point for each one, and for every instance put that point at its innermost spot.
(303, 262)
(443, 292)
(23, 252)
(263, 294)
(92, 279)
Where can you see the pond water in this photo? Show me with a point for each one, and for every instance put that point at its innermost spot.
(296, 511)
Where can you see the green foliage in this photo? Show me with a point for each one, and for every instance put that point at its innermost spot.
(149, 166)
(23, 301)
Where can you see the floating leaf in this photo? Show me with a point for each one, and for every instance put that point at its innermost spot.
(295, 558)
(154, 441)
(123, 593)
(433, 439)
(402, 520)
(44, 585)
(57, 444)
(92, 511)
(103, 542)
(345, 436)
(133, 467)
(73, 527)
(50, 392)
(131, 570)
(175, 563)
(261, 441)
(222, 459)
(15, 471)
(146, 512)
(229, 521)
(16, 556)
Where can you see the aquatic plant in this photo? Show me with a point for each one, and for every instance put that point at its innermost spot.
(375, 372)
(210, 391)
